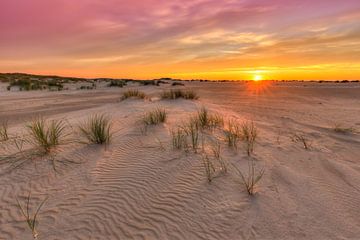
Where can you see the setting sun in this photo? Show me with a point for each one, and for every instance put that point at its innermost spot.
(258, 78)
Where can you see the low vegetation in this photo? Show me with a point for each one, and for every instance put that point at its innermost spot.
(179, 139)
(178, 93)
(28, 84)
(344, 130)
(31, 219)
(249, 134)
(153, 117)
(117, 83)
(207, 120)
(232, 133)
(251, 179)
(216, 151)
(296, 137)
(87, 87)
(209, 168)
(133, 93)
(47, 135)
(148, 82)
(177, 84)
(191, 129)
(97, 129)
(4, 135)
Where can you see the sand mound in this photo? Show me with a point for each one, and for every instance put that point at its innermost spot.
(139, 187)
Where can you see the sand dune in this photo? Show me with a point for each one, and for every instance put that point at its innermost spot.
(139, 187)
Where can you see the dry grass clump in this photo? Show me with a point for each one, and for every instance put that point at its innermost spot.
(344, 130)
(212, 160)
(216, 151)
(4, 136)
(249, 133)
(251, 179)
(209, 168)
(208, 120)
(31, 220)
(154, 117)
(179, 139)
(191, 129)
(133, 93)
(233, 133)
(47, 135)
(245, 131)
(301, 138)
(97, 129)
(178, 93)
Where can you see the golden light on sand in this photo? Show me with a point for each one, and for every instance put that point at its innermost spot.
(258, 85)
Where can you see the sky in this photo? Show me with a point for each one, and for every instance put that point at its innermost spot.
(186, 39)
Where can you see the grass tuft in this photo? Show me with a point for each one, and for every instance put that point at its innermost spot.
(209, 168)
(252, 178)
(31, 220)
(192, 129)
(154, 117)
(233, 133)
(301, 138)
(133, 93)
(249, 133)
(4, 136)
(343, 130)
(117, 83)
(97, 129)
(178, 93)
(209, 120)
(47, 135)
(179, 140)
(216, 150)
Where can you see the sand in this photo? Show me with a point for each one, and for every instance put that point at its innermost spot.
(139, 187)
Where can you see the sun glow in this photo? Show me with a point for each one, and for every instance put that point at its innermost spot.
(257, 78)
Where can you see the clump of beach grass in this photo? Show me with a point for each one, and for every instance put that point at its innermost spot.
(216, 151)
(209, 168)
(205, 119)
(249, 134)
(4, 135)
(178, 93)
(301, 138)
(133, 93)
(179, 138)
(97, 129)
(154, 117)
(117, 83)
(47, 134)
(232, 133)
(192, 130)
(251, 179)
(339, 128)
(31, 219)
